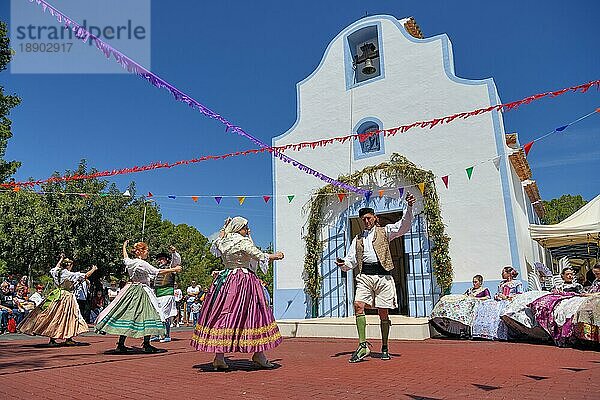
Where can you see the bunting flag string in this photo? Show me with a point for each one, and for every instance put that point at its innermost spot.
(133, 67)
(66, 178)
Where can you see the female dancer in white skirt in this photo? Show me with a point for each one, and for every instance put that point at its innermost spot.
(59, 316)
(135, 311)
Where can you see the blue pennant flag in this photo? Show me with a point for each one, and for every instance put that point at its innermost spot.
(171, 196)
(562, 128)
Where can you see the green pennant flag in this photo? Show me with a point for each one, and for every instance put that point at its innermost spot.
(290, 198)
(469, 172)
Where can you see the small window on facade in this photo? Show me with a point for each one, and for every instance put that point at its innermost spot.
(372, 143)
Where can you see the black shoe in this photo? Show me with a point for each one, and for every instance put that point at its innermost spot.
(122, 349)
(361, 352)
(148, 348)
(385, 355)
(53, 343)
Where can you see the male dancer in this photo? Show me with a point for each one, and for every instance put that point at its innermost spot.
(369, 255)
(164, 287)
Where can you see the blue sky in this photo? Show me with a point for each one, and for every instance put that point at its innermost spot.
(243, 60)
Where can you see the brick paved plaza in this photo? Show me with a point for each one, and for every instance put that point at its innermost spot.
(308, 369)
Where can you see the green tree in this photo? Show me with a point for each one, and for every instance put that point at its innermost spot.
(559, 209)
(7, 102)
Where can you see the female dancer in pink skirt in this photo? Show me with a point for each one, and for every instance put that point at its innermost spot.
(235, 315)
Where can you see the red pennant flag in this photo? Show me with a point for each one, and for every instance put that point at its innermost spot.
(527, 147)
(266, 198)
(195, 198)
(598, 109)
(445, 179)
(341, 196)
(150, 194)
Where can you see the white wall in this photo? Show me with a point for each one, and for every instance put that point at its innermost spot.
(417, 86)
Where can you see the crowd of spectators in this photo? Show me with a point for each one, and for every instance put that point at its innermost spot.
(15, 302)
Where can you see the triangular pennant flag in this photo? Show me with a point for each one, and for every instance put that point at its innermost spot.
(527, 147)
(381, 193)
(290, 198)
(16, 189)
(171, 196)
(150, 194)
(195, 198)
(84, 195)
(496, 161)
(126, 193)
(469, 172)
(241, 199)
(401, 191)
(341, 196)
(368, 195)
(562, 128)
(218, 199)
(266, 198)
(598, 109)
(422, 187)
(103, 194)
(445, 179)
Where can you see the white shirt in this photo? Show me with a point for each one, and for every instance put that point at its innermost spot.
(36, 298)
(393, 231)
(140, 271)
(192, 292)
(177, 294)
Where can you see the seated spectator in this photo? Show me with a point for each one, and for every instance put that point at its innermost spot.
(98, 304)
(568, 283)
(478, 290)
(22, 284)
(510, 286)
(8, 307)
(595, 287)
(38, 296)
(22, 303)
(113, 291)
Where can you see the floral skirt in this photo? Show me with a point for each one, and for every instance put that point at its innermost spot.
(487, 323)
(453, 314)
(134, 313)
(235, 316)
(587, 320)
(57, 317)
(520, 318)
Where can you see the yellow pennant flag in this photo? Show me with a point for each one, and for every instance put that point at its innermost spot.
(241, 199)
(422, 187)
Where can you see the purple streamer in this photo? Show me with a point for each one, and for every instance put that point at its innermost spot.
(133, 67)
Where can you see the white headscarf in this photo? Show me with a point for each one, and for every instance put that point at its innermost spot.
(234, 225)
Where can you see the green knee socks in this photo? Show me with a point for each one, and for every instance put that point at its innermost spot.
(361, 326)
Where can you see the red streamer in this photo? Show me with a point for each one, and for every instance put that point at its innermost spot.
(313, 144)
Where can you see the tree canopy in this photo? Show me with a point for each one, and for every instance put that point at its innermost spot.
(559, 209)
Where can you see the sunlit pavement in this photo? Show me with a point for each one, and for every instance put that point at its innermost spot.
(305, 369)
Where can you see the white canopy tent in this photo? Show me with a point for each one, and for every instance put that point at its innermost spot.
(583, 227)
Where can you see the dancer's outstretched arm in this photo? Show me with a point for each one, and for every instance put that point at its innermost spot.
(125, 243)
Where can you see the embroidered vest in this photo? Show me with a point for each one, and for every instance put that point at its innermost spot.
(381, 247)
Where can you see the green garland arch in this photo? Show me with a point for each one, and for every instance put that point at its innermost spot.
(398, 167)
